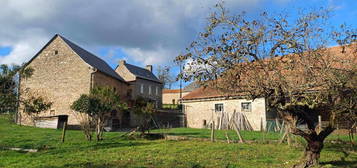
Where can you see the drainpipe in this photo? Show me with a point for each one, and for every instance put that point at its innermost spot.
(92, 78)
(18, 115)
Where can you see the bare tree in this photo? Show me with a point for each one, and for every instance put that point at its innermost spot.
(163, 73)
(34, 103)
(287, 61)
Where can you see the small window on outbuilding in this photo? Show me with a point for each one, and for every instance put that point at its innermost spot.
(218, 107)
(56, 52)
(204, 123)
(246, 106)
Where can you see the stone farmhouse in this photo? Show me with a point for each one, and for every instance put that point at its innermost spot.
(204, 104)
(142, 83)
(63, 71)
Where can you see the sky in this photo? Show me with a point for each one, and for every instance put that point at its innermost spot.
(140, 31)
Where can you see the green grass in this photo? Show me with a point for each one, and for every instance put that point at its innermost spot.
(247, 135)
(117, 152)
(220, 134)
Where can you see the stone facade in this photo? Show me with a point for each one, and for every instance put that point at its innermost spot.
(61, 76)
(199, 112)
(140, 87)
(142, 84)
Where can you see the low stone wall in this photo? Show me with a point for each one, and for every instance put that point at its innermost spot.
(169, 118)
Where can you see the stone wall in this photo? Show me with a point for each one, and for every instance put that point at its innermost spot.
(198, 111)
(60, 76)
(101, 79)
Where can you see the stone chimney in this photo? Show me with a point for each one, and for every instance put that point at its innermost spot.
(149, 67)
(121, 62)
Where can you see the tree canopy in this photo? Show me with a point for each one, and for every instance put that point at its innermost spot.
(288, 61)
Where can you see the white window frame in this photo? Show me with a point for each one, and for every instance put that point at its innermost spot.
(222, 109)
(157, 91)
(249, 106)
(141, 88)
(149, 89)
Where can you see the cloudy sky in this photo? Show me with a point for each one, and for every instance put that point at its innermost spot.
(140, 31)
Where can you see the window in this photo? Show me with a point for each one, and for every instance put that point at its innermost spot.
(56, 52)
(52, 112)
(218, 107)
(142, 88)
(114, 89)
(247, 106)
(149, 89)
(157, 90)
(204, 123)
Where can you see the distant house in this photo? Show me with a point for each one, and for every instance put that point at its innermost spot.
(173, 96)
(63, 71)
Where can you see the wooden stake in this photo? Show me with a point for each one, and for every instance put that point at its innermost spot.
(238, 133)
(282, 127)
(212, 131)
(64, 130)
(320, 124)
(226, 133)
(283, 138)
(277, 124)
(288, 135)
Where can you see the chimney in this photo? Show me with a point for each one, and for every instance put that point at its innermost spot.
(121, 62)
(149, 67)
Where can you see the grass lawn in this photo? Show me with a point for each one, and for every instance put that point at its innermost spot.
(247, 135)
(117, 152)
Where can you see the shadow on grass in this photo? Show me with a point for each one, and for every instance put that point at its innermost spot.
(341, 163)
(87, 165)
(94, 146)
(185, 134)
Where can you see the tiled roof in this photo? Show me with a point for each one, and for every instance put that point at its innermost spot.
(172, 91)
(207, 92)
(142, 73)
(93, 60)
(203, 92)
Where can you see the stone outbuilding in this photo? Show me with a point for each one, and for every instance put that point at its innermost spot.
(204, 105)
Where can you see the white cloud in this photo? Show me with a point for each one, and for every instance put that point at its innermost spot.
(149, 31)
(157, 56)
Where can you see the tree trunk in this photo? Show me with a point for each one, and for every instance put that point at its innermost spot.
(312, 154)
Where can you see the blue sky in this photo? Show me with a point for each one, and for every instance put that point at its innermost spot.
(139, 31)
